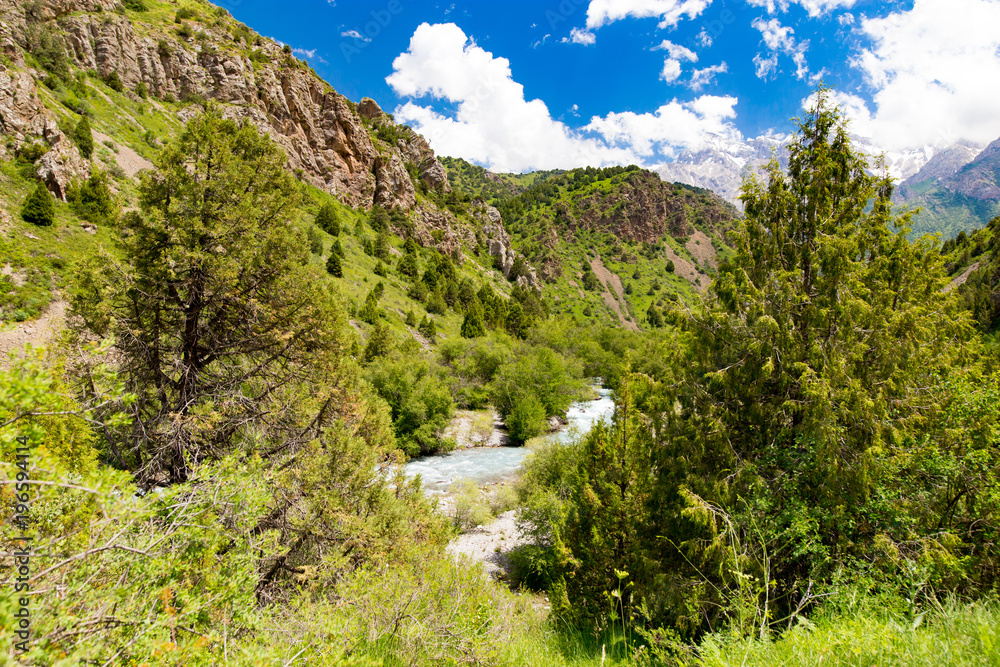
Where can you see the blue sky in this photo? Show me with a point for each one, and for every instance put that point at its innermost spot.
(562, 83)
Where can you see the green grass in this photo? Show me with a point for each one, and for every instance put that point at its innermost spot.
(42, 264)
(950, 635)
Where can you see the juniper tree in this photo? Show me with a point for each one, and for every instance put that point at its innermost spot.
(39, 209)
(816, 356)
(83, 136)
(214, 310)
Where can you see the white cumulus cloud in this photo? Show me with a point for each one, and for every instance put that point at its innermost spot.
(933, 71)
(491, 122)
(813, 7)
(676, 125)
(676, 51)
(780, 39)
(578, 36)
(670, 12)
(671, 70)
(703, 77)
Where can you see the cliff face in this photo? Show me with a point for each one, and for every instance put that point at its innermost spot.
(321, 131)
(644, 208)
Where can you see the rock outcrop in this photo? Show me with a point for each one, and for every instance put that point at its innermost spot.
(498, 242)
(24, 118)
(644, 208)
(321, 131)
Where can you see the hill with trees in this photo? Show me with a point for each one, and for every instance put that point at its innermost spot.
(277, 295)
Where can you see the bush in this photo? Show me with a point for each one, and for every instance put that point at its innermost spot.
(135, 5)
(471, 509)
(92, 199)
(39, 209)
(114, 82)
(420, 401)
(526, 419)
(315, 240)
(333, 266)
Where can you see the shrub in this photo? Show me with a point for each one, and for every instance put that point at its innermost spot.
(315, 240)
(526, 419)
(135, 5)
(114, 82)
(92, 199)
(39, 209)
(470, 506)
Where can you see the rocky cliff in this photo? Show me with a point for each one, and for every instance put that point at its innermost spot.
(212, 56)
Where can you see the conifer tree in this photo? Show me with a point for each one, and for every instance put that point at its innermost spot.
(84, 137)
(209, 327)
(333, 266)
(328, 220)
(39, 209)
(472, 325)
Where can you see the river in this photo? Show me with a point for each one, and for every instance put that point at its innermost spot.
(484, 465)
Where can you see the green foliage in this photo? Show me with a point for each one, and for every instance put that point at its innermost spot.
(333, 266)
(135, 5)
(428, 329)
(537, 383)
(525, 418)
(114, 82)
(142, 91)
(370, 312)
(805, 431)
(191, 302)
(39, 208)
(420, 401)
(328, 220)
(472, 325)
(84, 137)
(379, 343)
(315, 240)
(49, 49)
(93, 200)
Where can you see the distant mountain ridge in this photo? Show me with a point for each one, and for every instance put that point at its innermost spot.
(956, 188)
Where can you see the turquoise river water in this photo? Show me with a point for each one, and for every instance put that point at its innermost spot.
(493, 464)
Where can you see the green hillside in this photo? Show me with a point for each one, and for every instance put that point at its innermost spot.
(275, 296)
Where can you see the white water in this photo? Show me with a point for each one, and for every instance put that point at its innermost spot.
(492, 464)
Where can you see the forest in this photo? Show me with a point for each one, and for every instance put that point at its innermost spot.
(802, 466)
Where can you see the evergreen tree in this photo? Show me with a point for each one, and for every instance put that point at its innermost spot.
(207, 325)
(653, 316)
(787, 449)
(379, 343)
(83, 136)
(472, 325)
(39, 209)
(337, 248)
(328, 220)
(427, 328)
(407, 265)
(333, 266)
(381, 249)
